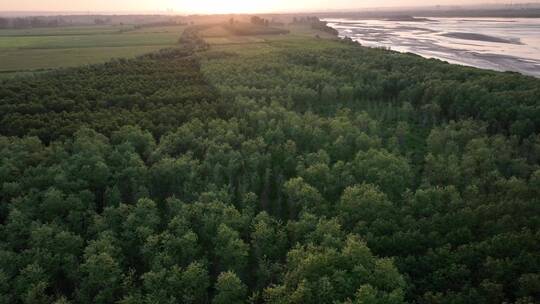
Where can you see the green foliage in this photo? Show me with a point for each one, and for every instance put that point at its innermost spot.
(173, 285)
(230, 251)
(317, 274)
(229, 289)
(147, 92)
(293, 171)
(362, 204)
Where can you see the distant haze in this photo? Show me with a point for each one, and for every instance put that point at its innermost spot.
(219, 6)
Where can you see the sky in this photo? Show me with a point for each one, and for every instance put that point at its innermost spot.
(217, 6)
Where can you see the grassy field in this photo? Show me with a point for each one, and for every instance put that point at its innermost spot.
(218, 37)
(63, 31)
(27, 50)
(30, 51)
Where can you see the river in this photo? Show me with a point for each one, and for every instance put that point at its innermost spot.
(502, 44)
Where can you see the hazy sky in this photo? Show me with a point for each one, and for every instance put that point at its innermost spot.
(217, 6)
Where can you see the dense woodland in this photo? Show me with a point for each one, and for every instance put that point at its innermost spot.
(295, 171)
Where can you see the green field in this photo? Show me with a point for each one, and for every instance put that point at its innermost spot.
(34, 50)
(217, 36)
(68, 30)
(46, 48)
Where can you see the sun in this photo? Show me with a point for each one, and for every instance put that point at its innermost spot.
(225, 6)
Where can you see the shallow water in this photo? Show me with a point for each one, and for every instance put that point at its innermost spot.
(502, 44)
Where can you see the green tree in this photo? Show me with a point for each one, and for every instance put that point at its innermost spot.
(361, 205)
(174, 285)
(229, 289)
(325, 275)
(301, 197)
(230, 250)
(392, 173)
(102, 273)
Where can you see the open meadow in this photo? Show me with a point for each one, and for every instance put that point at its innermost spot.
(35, 49)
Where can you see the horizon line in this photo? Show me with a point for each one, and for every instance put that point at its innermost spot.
(170, 11)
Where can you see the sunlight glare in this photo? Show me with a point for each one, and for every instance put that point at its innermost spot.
(226, 6)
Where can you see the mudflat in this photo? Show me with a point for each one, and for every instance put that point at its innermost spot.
(502, 44)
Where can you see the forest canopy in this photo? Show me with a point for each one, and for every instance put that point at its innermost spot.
(299, 170)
